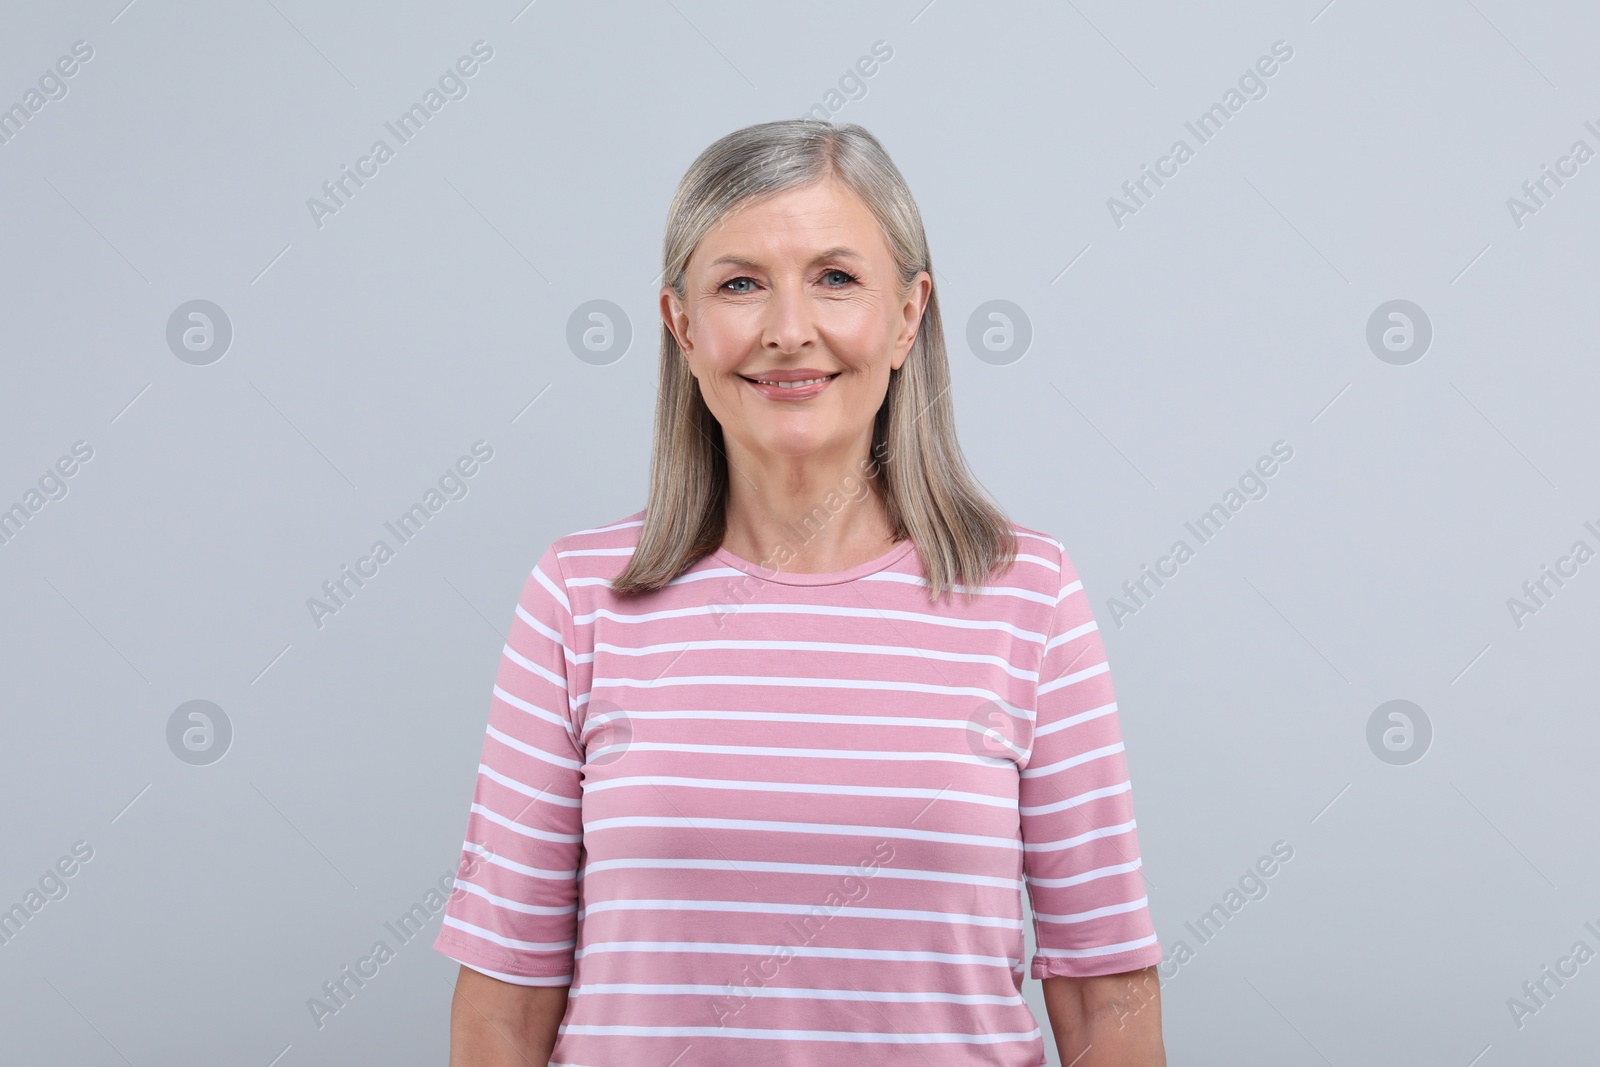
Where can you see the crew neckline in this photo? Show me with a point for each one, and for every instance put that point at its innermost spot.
(860, 570)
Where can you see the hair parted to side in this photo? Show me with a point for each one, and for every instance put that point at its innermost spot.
(916, 465)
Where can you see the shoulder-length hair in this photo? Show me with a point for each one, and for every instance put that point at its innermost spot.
(916, 463)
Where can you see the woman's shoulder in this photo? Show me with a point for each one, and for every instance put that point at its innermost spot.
(596, 551)
(616, 538)
(1042, 557)
(621, 532)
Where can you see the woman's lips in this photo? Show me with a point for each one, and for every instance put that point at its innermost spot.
(791, 391)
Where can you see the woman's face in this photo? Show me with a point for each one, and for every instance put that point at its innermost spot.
(799, 286)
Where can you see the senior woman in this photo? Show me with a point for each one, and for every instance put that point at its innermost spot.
(770, 760)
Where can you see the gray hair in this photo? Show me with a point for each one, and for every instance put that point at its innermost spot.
(916, 463)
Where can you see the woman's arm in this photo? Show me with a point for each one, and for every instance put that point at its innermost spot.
(524, 843)
(1108, 1020)
(499, 1024)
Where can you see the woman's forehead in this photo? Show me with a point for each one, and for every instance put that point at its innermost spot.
(814, 228)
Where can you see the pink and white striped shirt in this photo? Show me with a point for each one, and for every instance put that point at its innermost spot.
(760, 817)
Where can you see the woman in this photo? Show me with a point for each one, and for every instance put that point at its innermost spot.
(781, 812)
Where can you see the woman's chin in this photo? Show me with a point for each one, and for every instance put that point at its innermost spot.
(794, 447)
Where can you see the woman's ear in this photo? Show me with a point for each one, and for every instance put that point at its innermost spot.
(917, 294)
(672, 314)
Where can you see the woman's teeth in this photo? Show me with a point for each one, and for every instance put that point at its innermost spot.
(793, 385)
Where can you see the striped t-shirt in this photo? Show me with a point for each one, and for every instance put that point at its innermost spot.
(786, 819)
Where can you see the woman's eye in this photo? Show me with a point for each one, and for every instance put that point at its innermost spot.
(732, 285)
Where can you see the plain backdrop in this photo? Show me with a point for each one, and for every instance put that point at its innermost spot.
(1171, 343)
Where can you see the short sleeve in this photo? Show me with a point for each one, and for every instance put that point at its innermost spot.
(513, 914)
(1080, 848)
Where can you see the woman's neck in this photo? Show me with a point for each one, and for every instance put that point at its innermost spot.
(810, 532)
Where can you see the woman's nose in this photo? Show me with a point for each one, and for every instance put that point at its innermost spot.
(788, 323)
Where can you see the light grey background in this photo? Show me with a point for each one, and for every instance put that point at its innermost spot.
(1168, 354)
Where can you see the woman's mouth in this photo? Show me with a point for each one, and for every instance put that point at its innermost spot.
(780, 388)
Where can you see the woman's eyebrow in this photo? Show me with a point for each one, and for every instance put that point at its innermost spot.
(837, 252)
